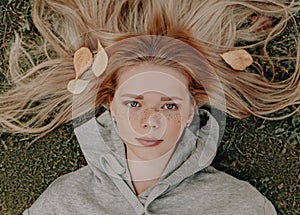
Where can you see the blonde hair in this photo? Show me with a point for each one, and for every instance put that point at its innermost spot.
(165, 51)
(38, 100)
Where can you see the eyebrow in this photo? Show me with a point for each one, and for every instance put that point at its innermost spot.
(140, 97)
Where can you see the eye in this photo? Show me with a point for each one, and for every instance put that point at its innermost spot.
(133, 104)
(171, 106)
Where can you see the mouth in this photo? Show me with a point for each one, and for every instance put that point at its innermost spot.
(149, 142)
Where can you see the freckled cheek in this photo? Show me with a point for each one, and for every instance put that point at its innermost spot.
(143, 115)
(174, 118)
(173, 121)
(134, 119)
(174, 128)
(139, 116)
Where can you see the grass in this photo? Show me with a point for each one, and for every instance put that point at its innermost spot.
(264, 153)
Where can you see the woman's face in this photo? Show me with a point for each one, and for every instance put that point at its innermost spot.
(151, 107)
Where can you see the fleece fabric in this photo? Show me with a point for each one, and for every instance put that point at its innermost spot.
(189, 185)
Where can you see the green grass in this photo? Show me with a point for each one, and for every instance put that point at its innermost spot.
(264, 153)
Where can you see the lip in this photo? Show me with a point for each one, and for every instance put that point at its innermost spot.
(149, 141)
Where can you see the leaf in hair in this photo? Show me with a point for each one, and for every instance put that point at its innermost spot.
(238, 59)
(77, 86)
(100, 61)
(83, 59)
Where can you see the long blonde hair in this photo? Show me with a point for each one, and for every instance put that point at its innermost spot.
(38, 100)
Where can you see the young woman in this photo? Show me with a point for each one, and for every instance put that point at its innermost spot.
(150, 152)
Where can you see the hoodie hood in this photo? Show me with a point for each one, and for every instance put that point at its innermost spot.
(105, 152)
(185, 187)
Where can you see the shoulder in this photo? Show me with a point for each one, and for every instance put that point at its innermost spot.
(68, 182)
(230, 194)
(85, 191)
(62, 191)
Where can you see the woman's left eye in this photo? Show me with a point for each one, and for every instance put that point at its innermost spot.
(170, 106)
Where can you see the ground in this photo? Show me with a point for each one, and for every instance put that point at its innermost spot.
(264, 153)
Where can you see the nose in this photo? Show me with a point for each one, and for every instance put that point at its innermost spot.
(151, 119)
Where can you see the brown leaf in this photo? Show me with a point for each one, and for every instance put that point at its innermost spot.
(238, 59)
(100, 61)
(83, 59)
(100, 47)
(77, 86)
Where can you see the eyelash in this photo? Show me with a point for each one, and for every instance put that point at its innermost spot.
(137, 104)
(129, 104)
(175, 107)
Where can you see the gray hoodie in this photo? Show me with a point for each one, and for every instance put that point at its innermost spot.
(189, 185)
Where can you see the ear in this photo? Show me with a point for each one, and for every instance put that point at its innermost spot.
(192, 112)
(111, 107)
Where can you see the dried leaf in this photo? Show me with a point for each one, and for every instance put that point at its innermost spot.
(77, 86)
(238, 59)
(83, 59)
(99, 46)
(100, 61)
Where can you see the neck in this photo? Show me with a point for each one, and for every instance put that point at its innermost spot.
(145, 173)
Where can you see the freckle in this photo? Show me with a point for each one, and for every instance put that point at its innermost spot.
(144, 114)
(178, 118)
(175, 118)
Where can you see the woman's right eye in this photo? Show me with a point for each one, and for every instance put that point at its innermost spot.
(133, 104)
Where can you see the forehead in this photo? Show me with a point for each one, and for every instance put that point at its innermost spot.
(152, 78)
